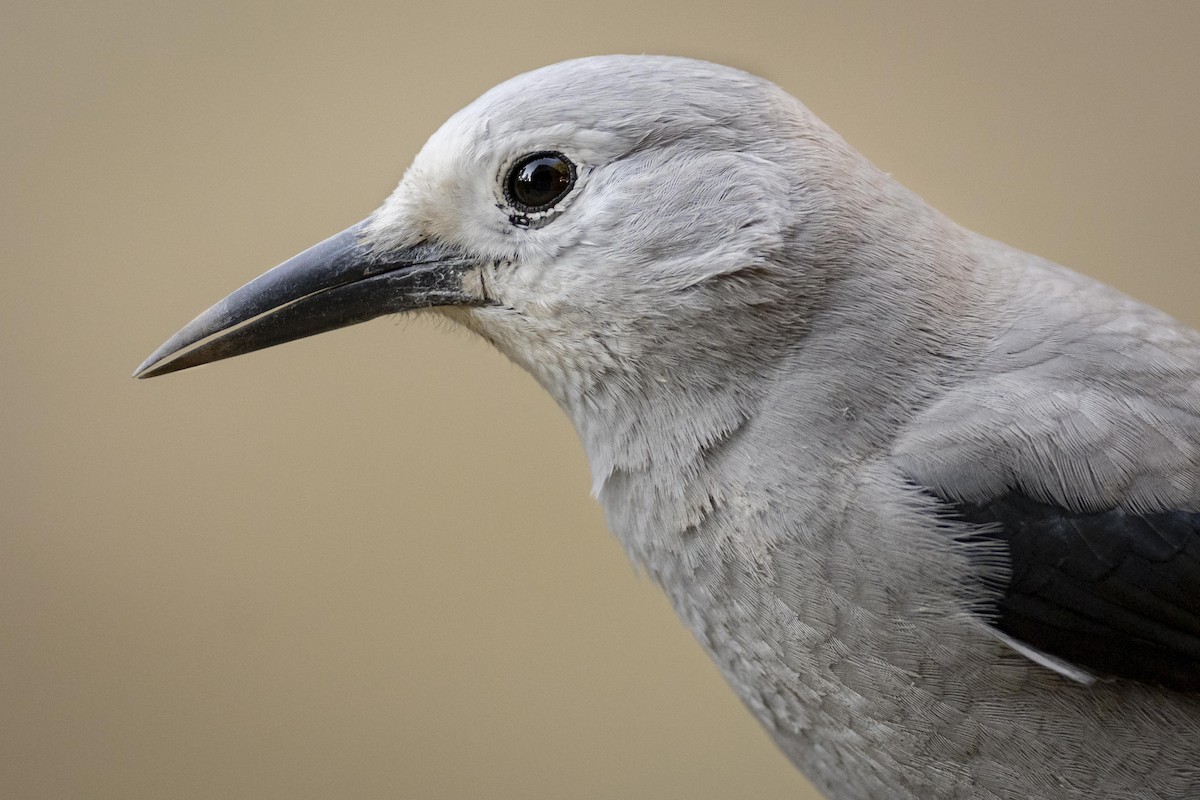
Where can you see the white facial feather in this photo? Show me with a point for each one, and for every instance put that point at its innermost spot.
(684, 192)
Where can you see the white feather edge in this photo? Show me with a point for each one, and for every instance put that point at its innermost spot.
(1064, 668)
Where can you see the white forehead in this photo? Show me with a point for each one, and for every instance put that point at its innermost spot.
(603, 102)
(595, 110)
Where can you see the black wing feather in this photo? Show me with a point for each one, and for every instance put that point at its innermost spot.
(1113, 591)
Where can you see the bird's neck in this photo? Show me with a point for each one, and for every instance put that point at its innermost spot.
(649, 452)
(668, 446)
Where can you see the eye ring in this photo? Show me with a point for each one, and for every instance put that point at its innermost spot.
(537, 181)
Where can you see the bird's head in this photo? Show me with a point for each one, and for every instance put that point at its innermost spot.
(633, 220)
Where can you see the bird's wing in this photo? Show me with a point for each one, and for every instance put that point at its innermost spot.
(1075, 450)
(1113, 591)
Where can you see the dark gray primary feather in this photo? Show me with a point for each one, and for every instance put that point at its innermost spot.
(1114, 591)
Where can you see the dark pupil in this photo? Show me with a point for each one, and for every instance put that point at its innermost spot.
(541, 181)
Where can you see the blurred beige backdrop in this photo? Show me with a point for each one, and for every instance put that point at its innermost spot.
(366, 565)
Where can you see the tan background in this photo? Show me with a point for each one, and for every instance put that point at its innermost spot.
(366, 565)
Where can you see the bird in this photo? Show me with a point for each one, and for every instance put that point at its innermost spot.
(931, 503)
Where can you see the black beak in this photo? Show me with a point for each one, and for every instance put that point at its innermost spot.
(333, 284)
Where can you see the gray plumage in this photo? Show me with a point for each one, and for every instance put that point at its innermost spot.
(819, 414)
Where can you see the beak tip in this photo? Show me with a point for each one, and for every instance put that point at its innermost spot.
(145, 369)
(157, 365)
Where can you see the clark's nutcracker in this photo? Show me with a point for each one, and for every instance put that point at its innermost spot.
(931, 503)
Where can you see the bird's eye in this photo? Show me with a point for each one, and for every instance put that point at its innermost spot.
(538, 181)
